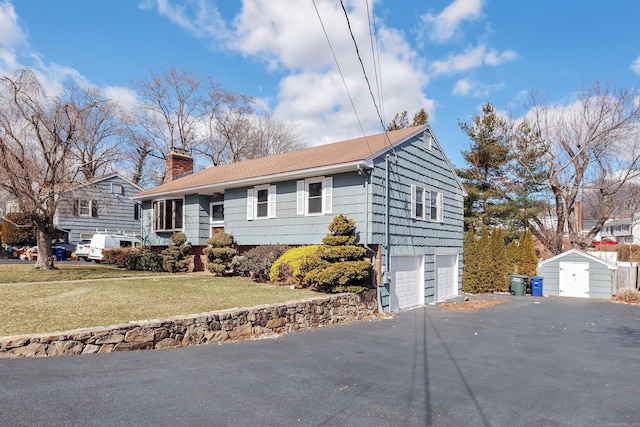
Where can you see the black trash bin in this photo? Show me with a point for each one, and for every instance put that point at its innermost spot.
(59, 251)
(536, 286)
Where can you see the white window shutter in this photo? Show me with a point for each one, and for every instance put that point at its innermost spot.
(300, 197)
(413, 201)
(272, 202)
(440, 203)
(250, 204)
(327, 195)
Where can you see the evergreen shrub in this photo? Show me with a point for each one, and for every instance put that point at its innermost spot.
(175, 257)
(294, 264)
(220, 254)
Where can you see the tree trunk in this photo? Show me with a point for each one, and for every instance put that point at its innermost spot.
(45, 251)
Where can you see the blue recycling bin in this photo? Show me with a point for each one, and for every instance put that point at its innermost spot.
(59, 251)
(536, 286)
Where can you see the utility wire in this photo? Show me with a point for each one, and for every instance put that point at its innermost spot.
(341, 75)
(375, 54)
(346, 15)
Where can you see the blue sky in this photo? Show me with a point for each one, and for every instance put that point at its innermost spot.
(448, 57)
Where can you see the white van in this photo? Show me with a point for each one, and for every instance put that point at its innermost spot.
(102, 241)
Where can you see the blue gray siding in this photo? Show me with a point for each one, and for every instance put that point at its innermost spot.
(115, 212)
(429, 169)
(360, 195)
(600, 276)
(288, 227)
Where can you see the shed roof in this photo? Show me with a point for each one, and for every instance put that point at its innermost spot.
(586, 255)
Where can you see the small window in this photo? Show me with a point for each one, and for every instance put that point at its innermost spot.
(261, 202)
(417, 202)
(88, 208)
(137, 211)
(314, 204)
(84, 207)
(167, 214)
(217, 213)
(315, 196)
(117, 189)
(437, 206)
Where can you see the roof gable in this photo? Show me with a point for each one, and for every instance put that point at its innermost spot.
(609, 265)
(307, 161)
(106, 177)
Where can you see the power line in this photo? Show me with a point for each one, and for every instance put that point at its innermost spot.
(346, 15)
(341, 74)
(375, 49)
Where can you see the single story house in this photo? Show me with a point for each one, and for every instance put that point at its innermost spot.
(575, 273)
(398, 186)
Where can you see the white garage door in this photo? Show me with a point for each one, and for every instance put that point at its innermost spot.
(446, 276)
(574, 279)
(407, 282)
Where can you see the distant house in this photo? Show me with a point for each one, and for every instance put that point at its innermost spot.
(103, 203)
(399, 187)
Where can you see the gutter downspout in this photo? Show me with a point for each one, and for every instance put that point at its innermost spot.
(386, 277)
(366, 230)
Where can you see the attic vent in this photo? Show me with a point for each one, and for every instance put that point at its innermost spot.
(426, 140)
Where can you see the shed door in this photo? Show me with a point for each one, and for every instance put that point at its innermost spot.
(446, 276)
(407, 282)
(574, 279)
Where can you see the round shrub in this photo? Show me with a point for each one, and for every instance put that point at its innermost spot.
(220, 254)
(338, 276)
(294, 264)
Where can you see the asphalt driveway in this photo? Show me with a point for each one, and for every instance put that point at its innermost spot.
(532, 361)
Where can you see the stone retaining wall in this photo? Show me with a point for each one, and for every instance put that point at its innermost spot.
(205, 328)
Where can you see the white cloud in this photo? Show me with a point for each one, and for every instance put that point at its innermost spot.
(199, 17)
(10, 32)
(290, 40)
(472, 58)
(12, 36)
(122, 95)
(446, 24)
(470, 88)
(635, 66)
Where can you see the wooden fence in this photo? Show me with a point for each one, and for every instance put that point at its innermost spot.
(625, 277)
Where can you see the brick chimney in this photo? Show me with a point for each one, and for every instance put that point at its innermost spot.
(179, 163)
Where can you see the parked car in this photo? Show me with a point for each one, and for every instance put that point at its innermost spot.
(82, 250)
(100, 242)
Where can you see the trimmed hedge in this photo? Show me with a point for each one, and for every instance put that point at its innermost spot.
(294, 264)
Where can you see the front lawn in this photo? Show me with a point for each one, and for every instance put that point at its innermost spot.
(24, 272)
(61, 306)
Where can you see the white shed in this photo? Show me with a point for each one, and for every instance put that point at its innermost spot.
(577, 274)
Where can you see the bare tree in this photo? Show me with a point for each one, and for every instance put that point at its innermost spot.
(592, 143)
(37, 163)
(226, 124)
(170, 112)
(271, 136)
(100, 130)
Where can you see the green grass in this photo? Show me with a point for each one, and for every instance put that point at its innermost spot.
(61, 306)
(14, 273)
